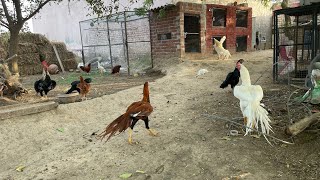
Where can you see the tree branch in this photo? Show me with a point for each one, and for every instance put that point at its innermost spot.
(36, 11)
(3, 23)
(6, 12)
(18, 9)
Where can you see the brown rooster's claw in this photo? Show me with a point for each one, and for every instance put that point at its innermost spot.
(152, 132)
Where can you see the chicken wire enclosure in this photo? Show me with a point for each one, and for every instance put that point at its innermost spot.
(121, 39)
(296, 42)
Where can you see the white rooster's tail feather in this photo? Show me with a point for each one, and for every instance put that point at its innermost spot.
(257, 116)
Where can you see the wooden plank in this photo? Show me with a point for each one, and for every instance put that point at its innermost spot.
(26, 109)
(302, 124)
(58, 57)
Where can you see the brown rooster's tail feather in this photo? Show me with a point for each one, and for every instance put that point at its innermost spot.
(146, 92)
(118, 125)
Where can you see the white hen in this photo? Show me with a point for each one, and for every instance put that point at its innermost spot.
(250, 97)
(101, 68)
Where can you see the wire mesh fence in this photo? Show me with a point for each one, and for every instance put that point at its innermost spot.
(119, 39)
(296, 42)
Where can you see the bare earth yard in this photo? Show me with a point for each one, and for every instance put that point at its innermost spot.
(59, 144)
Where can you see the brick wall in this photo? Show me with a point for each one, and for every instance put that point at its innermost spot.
(173, 23)
(163, 25)
(192, 9)
(230, 31)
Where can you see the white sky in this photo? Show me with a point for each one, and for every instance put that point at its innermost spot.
(10, 6)
(30, 25)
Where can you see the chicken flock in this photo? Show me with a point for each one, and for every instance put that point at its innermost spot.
(82, 86)
(250, 96)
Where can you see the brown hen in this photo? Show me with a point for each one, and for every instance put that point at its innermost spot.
(84, 88)
(86, 68)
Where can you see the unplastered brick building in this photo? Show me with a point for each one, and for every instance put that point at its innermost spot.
(188, 28)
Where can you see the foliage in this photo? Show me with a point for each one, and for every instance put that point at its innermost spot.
(4, 38)
(145, 8)
(16, 16)
(265, 2)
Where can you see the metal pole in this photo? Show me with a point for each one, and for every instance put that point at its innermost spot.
(296, 47)
(314, 34)
(149, 19)
(276, 44)
(123, 40)
(126, 41)
(274, 47)
(110, 50)
(82, 53)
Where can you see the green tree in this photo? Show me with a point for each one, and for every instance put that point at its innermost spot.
(12, 18)
(15, 13)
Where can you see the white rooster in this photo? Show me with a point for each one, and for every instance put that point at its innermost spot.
(250, 97)
(220, 49)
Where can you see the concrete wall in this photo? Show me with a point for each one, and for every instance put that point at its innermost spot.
(263, 21)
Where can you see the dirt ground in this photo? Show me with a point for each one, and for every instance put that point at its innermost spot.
(60, 144)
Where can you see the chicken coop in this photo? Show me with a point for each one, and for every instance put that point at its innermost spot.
(119, 39)
(296, 42)
(187, 29)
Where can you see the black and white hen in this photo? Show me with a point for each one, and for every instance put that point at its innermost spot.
(233, 77)
(45, 84)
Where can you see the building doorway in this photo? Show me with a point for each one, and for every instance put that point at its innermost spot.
(241, 43)
(192, 33)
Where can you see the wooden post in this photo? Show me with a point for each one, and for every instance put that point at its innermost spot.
(57, 55)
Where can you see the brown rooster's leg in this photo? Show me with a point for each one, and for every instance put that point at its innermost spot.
(130, 136)
(134, 121)
(151, 131)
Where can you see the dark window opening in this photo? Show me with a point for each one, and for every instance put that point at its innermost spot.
(164, 36)
(192, 33)
(241, 43)
(242, 18)
(219, 17)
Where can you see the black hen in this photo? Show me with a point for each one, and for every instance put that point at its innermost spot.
(45, 84)
(233, 77)
(74, 85)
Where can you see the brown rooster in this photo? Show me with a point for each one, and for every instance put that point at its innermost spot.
(116, 69)
(86, 68)
(137, 110)
(84, 88)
